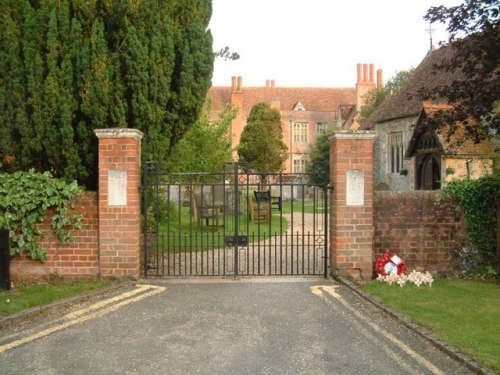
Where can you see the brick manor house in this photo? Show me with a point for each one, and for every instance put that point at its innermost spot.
(305, 112)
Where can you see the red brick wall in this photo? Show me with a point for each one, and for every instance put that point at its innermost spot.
(418, 229)
(351, 226)
(71, 261)
(119, 226)
(108, 245)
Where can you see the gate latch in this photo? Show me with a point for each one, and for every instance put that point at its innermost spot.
(236, 240)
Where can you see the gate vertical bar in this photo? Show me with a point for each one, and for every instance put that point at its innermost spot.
(145, 216)
(236, 218)
(326, 229)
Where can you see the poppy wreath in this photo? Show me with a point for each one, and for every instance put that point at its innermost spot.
(385, 264)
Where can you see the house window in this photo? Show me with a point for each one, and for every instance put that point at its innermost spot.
(299, 132)
(321, 128)
(396, 152)
(299, 163)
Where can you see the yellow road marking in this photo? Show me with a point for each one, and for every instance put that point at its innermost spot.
(139, 288)
(330, 289)
(321, 289)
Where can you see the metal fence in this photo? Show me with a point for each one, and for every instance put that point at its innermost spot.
(233, 223)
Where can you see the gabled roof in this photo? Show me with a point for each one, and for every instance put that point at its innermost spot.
(313, 99)
(406, 102)
(454, 142)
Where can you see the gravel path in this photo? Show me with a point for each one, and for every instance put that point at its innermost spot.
(299, 251)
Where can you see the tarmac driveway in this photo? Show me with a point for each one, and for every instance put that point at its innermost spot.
(216, 326)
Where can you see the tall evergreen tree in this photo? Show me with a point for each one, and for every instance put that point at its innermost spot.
(68, 67)
(261, 145)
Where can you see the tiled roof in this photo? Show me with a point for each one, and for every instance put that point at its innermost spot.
(220, 96)
(406, 103)
(456, 140)
(313, 99)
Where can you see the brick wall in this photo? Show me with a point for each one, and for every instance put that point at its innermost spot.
(418, 229)
(108, 245)
(71, 261)
(119, 202)
(351, 223)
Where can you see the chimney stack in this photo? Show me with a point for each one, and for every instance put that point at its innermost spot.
(239, 85)
(270, 82)
(366, 82)
(380, 79)
(365, 73)
(233, 84)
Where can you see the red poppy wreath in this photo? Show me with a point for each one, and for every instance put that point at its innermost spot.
(388, 264)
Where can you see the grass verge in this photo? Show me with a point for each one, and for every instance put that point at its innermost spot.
(464, 313)
(28, 296)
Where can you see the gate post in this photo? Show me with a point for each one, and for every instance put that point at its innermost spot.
(119, 202)
(4, 260)
(351, 205)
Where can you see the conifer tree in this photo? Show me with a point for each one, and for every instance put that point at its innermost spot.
(261, 146)
(68, 67)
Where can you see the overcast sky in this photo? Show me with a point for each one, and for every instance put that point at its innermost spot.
(317, 43)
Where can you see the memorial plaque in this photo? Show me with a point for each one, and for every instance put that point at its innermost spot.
(355, 187)
(117, 187)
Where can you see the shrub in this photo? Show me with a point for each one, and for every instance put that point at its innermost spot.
(479, 199)
(25, 198)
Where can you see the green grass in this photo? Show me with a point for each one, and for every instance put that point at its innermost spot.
(464, 313)
(308, 206)
(28, 296)
(183, 234)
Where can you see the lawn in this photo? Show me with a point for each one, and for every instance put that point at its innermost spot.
(307, 206)
(181, 233)
(464, 313)
(27, 296)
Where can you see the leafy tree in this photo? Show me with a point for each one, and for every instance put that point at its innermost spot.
(205, 146)
(226, 54)
(474, 36)
(68, 67)
(318, 167)
(261, 145)
(375, 97)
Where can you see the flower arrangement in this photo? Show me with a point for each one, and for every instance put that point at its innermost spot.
(388, 264)
(415, 277)
(391, 269)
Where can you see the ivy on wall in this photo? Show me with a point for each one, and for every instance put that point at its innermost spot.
(478, 199)
(25, 198)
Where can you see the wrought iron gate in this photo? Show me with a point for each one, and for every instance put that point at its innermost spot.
(233, 224)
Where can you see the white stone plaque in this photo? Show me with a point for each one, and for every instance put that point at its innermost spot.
(355, 187)
(117, 187)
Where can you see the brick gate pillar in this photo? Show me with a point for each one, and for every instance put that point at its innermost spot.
(119, 202)
(351, 207)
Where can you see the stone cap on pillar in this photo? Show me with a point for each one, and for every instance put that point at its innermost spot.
(118, 133)
(352, 134)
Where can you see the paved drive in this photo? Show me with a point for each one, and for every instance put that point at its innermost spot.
(252, 326)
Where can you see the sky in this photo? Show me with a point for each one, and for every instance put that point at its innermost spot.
(318, 43)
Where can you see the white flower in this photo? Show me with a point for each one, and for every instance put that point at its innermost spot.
(417, 278)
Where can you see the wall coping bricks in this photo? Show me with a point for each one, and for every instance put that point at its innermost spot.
(352, 134)
(119, 133)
